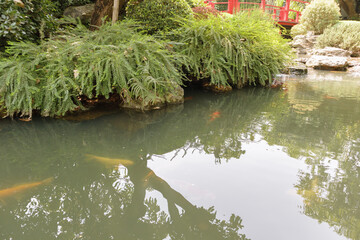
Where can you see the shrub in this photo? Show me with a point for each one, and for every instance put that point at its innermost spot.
(320, 14)
(298, 29)
(244, 49)
(62, 4)
(204, 12)
(113, 60)
(158, 15)
(345, 34)
(27, 21)
(195, 3)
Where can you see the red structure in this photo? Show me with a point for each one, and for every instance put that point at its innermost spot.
(284, 15)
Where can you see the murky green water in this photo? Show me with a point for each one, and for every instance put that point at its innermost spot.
(259, 164)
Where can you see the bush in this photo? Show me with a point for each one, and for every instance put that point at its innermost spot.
(62, 4)
(204, 12)
(320, 14)
(113, 60)
(345, 34)
(298, 29)
(244, 49)
(195, 3)
(26, 22)
(158, 15)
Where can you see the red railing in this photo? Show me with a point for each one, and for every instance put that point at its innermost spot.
(284, 15)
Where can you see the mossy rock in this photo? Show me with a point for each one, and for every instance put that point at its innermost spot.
(217, 88)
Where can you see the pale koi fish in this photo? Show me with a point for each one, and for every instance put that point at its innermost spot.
(111, 161)
(8, 192)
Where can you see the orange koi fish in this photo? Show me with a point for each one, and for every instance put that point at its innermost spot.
(214, 116)
(188, 98)
(8, 192)
(111, 161)
(329, 97)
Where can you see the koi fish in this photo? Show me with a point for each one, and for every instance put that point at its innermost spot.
(111, 161)
(329, 97)
(214, 116)
(25, 119)
(8, 192)
(188, 98)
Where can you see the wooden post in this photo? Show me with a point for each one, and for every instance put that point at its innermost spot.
(230, 6)
(115, 13)
(287, 7)
(262, 5)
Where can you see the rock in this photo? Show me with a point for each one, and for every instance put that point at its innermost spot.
(216, 88)
(353, 62)
(141, 105)
(327, 63)
(354, 70)
(299, 69)
(82, 12)
(311, 38)
(303, 43)
(277, 83)
(175, 97)
(301, 60)
(331, 51)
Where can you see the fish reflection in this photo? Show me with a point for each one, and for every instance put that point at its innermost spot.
(13, 191)
(110, 161)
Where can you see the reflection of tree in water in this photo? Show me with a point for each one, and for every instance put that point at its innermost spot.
(331, 190)
(328, 139)
(110, 205)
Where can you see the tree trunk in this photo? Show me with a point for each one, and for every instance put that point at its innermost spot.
(349, 7)
(104, 8)
(115, 14)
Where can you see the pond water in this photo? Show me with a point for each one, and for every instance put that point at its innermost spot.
(256, 164)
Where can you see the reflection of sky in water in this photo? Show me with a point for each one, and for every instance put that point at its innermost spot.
(259, 187)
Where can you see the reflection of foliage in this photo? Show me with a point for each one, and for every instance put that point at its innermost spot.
(331, 194)
(199, 227)
(200, 224)
(70, 209)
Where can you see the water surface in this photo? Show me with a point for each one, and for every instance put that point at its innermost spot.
(252, 164)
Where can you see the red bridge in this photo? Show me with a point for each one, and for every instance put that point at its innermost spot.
(287, 14)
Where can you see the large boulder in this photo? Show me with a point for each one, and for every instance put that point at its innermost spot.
(84, 12)
(328, 63)
(331, 51)
(304, 43)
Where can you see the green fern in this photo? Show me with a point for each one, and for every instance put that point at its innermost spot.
(116, 59)
(245, 49)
